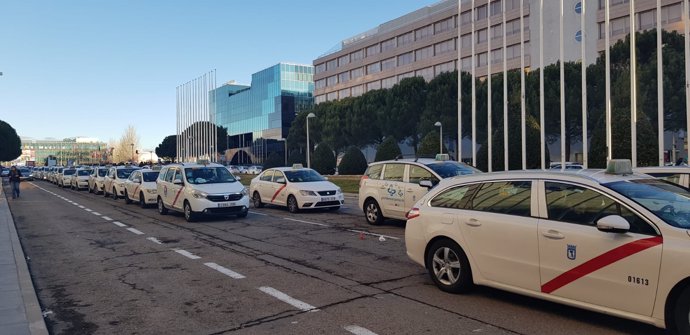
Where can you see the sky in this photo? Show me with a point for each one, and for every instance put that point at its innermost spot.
(91, 68)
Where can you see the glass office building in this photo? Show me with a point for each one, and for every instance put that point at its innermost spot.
(63, 152)
(257, 116)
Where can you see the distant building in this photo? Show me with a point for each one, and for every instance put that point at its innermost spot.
(260, 114)
(77, 150)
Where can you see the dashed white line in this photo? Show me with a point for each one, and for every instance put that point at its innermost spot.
(372, 234)
(96, 213)
(81, 206)
(287, 299)
(308, 222)
(119, 224)
(357, 330)
(133, 230)
(187, 254)
(253, 212)
(88, 210)
(76, 204)
(225, 271)
(106, 218)
(154, 240)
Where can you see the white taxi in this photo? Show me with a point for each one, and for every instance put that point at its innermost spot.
(616, 243)
(114, 181)
(65, 176)
(80, 179)
(295, 187)
(97, 178)
(141, 187)
(194, 188)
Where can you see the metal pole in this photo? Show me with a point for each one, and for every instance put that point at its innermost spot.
(686, 24)
(286, 152)
(489, 152)
(308, 162)
(660, 83)
(633, 86)
(505, 91)
(562, 73)
(541, 86)
(607, 65)
(584, 86)
(440, 140)
(474, 103)
(459, 81)
(523, 124)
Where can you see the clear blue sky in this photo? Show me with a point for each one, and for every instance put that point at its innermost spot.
(91, 68)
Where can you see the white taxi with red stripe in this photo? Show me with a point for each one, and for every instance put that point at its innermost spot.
(295, 187)
(141, 187)
(616, 242)
(206, 188)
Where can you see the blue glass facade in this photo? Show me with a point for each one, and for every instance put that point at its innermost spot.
(258, 115)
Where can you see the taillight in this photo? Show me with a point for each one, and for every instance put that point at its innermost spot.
(361, 180)
(413, 213)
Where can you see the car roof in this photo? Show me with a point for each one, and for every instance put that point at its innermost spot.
(149, 170)
(194, 165)
(288, 168)
(585, 176)
(663, 169)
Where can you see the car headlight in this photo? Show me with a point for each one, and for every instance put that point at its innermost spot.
(245, 191)
(338, 191)
(308, 193)
(198, 194)
(151, 191)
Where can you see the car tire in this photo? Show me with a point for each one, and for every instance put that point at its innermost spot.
(189, 214)
(680, 315)
(292, 205)
(161, 207)
(90, 189)
(105, 193)
(372, 212)
(142, 202)
(256, 200)
(127, 199)
(448, 266)
(114, 195)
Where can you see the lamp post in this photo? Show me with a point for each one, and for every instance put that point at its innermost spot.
(311, 115)
(440, 137)
(132, 144)
(284, 140)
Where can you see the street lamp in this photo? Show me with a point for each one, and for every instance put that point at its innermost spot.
(440, 137)
(132, 152)
(284, 140)
(311, 115)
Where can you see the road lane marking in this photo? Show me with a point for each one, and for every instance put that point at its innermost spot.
(301, 305)
(357, 330)
(225, 271)
(119, 224)
(82, 207)
(154, 240)
(262, 214)
(372, 234)
(138, 232)
(187, 254)
(76, 204)
(96, 213)
(106, 218)
(308, 222)
(88, 210)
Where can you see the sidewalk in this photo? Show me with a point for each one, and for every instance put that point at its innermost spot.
(20, 312)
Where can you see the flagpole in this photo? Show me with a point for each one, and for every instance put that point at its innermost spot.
(523, 121)
(459, 152)
(474, 103)
(505, 90)
(584, 86)
(607, 65)
(541, 86)
(489, 155)
(562, 73)
(633, 86)
(660, 84)
(686, 23)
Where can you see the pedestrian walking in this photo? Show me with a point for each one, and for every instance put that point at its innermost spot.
(15, 178)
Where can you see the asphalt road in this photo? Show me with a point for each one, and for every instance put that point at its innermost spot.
(101, 266)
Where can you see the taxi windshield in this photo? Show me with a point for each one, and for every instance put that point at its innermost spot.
(67, 172)
(102, 172)
(124, 173)
(449, 169)
(303, 176)
(208, 175)
(150, 176)
(84, 172)
(669, 202)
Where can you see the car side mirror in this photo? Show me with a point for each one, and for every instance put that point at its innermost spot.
(137, 180)
(280, 180)
(613, 224)
(426, 183)
(325, 178)
(177, 182)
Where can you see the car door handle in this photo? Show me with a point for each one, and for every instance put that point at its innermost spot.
(473, 223)
(409, 190)
(553, 234)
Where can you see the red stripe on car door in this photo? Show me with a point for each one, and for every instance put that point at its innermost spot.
(176, 196)
(277, 192)
(601, 261)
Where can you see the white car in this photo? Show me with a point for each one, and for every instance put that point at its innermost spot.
(254, 169)
(676, 174)
(80, 179)
(64, 178)
(141, 187)
(295, 187)
(97, 178)
(114, 181)
(616, 243)
(200, 189)
(388, 189)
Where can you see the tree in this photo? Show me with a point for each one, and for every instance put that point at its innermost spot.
(353, 162)
(428, 147)
(297, 157)
(274, 159)
(124, 148)
(168, 148)
(11, 146)
(388, 149)
(406, 101)
(323, 160)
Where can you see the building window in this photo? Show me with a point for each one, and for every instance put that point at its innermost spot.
(373, 50)
(481, 59)
(446, 67)
(514, 4)
(357, 55)
(671, 13)
(513, 27)
(466, 64)
(331, 64)
(620, 26)
(496, 56)
(356, 73)
(388, 45)
(481, 36)
(406, 39)
(466, 17)
(388, 82)
(497, 31)
(405, 58)
(320, 68)
(426, 73)
(343, 60)
(481, 12)
(612, 3)
(344, 76)
(374, 68)
(424, 53)
(331, 81)
(321, 83)
(357, 90)
(423, 32)
(344, 93)
(320, 98)
(496, 7)
(374, 85)
(444, 25)
(388, 64)
(405, 75)
(466, 41)
(646, 20)
(332, 96)
(445, 46)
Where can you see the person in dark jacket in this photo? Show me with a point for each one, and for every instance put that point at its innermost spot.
(15, 178)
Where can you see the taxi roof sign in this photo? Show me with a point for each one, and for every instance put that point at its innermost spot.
(442, 157)
(619, 166)
(202, 161)
(297, 166)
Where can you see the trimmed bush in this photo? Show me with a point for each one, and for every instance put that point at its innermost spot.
(297, 157)
(387, 150)
(274, 159)
(429, 145)
(323, 160)
(353, 162)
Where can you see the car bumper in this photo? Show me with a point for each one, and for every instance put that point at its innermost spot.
(311, 202)
(208, 207)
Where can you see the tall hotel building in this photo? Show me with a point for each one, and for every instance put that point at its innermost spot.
(424, 42)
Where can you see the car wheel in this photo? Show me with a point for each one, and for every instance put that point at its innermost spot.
(161, 207)
(679, 322)
(90, 189)
(127, 199)
(189, 214)
(142, 202)
(105, 194)
(448, 266)
(256, 199)
(292, 204)
(372, 211)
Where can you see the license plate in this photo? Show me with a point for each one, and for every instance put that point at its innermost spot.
(328, 199)
(226, 204)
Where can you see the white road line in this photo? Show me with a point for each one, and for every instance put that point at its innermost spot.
(225, 271)
(186, 253)
(119, 224)
(154, 240)
(253, 212)
(372, 234)
(287, 299)
(88, 210)
(82, 207)
(106, 218)
(357, 330)
(76, 204)
(96, 213)
(307, 222)
(138, 232)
